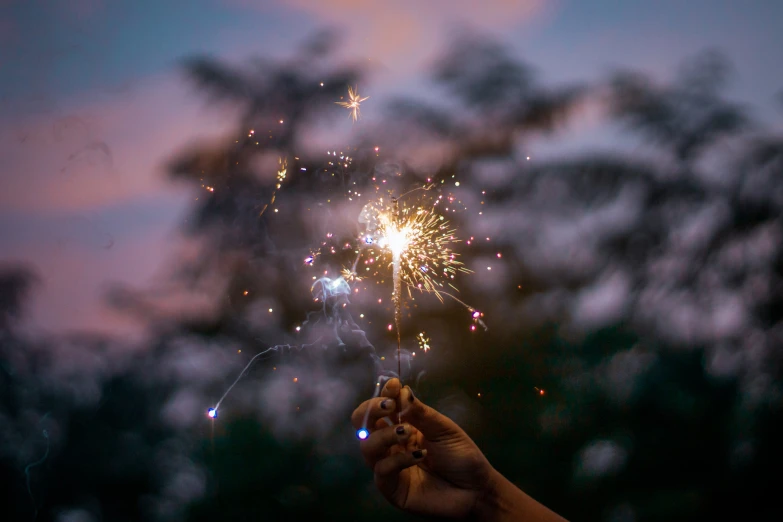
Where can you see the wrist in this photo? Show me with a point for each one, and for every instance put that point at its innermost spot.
(502, 501)
(490, 503)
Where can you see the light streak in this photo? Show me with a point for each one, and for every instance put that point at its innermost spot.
(281, 173)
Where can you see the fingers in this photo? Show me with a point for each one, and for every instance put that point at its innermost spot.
(387, 471)
(430, 422)
(363, 416)
(378, 444)
(369, 412)
(391, 389)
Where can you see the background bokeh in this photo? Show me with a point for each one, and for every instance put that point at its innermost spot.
(619, 203)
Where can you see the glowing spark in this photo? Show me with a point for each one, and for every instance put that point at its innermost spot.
(281, 173)
(350, 275)
(353, 103)
(424, 342)
(362, 433)
(212, 413)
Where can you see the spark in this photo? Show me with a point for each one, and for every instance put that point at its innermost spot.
(354, 100)
(424, 342)
(349, 275)
(281, 174)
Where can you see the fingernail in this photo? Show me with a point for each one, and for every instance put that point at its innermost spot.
(385, 404)
(419, 454)
(400, 430)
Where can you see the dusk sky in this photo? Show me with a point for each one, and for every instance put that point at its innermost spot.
(93, 102)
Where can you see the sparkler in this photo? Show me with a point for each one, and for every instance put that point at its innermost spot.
(417, 240)
(353, 103)
(413, 240)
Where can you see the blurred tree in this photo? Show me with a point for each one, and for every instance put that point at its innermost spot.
(16, 282)
(639, 258)
(686, 117)
(631, 369)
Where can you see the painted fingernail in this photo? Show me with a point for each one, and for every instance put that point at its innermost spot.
(400, 430)
(385, 404)
(419, 454)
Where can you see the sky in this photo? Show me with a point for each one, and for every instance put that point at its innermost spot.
(93, 103)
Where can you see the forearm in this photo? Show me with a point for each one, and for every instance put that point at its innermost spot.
(504, 502)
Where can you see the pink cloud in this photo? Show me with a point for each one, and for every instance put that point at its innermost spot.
(96, 158)
(96, 154)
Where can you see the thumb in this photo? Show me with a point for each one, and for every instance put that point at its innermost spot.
(431, 423)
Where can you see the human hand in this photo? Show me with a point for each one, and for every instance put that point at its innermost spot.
(427, 465)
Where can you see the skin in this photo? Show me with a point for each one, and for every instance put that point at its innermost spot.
(427, 465)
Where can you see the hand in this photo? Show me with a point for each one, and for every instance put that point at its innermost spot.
(427, 465)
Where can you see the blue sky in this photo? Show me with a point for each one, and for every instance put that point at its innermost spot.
(112, 68)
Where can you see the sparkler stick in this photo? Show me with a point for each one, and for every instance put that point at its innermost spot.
(397, 289)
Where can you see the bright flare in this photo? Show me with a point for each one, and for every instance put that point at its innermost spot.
(418, 240)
